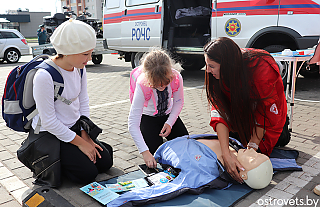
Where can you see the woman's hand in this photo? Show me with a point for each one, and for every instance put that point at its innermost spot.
(149, 159)
(231, 163)
(165, 131)
(232, 166)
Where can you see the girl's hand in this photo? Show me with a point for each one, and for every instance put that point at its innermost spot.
(149, 159)
(165, 131)
(87, 146)
(87, 138)
(232, 166)
(89, 150)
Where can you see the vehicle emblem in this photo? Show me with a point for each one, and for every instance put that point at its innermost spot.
(232, 27)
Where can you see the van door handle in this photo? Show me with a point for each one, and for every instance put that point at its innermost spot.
(125, 12)
(156, 10)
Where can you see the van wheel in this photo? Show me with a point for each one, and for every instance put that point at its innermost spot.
(12, 55)
(135, 59)
(193, 63)
(283, 65)
(97, 59)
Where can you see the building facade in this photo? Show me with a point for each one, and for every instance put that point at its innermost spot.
(24, 21)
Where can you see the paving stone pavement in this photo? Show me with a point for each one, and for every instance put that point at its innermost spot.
(108, 85)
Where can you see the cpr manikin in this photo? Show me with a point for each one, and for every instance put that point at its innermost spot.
(258, 168)
(199, 158)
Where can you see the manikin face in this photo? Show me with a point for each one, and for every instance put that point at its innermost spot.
(79, 60)
(212, 67)
(250, 159)
(258, 168)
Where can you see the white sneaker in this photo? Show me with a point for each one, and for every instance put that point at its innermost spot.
(316, 190)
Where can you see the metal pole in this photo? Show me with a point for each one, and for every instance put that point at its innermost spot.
(293, 88)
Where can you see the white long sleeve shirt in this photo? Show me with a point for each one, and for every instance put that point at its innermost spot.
(175, 105)
(56, 116)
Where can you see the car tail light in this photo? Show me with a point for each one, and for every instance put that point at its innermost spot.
(24, 41)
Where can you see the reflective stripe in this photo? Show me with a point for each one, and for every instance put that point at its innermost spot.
(56, 90)
(32, 114)
(64, 100)
(37, 129)
(58, 84)
(215, 113)
(11, 107)
(58, 96)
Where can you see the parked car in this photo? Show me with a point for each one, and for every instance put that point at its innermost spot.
(12, 45)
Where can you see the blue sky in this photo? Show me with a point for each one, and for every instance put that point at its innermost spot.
(33, 5)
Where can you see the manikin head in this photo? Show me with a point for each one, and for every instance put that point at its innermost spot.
(258, 168)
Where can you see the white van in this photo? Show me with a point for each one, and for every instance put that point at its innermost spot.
(184, 26)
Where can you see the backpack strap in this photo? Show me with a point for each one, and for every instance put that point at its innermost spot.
(57, 78)
(154, 104)
(148, 92)
(58, 83)
(175, 83)
(134, 74)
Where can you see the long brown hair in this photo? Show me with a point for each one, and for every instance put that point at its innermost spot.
(236, 80)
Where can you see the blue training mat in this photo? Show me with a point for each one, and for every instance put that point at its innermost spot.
(281, 160)
(210, 197)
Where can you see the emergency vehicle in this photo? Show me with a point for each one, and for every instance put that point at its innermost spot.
(183, 27)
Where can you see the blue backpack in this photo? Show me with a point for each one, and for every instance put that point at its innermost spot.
(18, 105)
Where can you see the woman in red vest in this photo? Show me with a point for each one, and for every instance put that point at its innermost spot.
(246, 93)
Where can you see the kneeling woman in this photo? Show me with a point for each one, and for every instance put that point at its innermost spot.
(246, 92)
(81, 157)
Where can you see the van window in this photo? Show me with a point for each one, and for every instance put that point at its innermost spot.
(8, 35)
(138, 2)
(113, 4)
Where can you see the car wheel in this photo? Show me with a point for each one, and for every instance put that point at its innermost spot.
(135, 59)
(12, 55)
(97, 59)
(193, 63)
